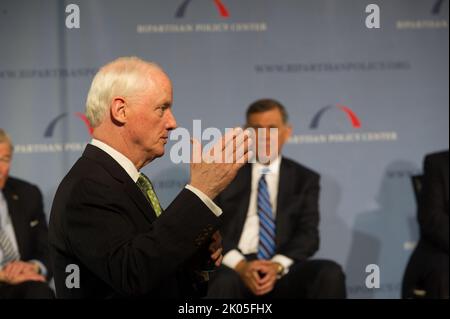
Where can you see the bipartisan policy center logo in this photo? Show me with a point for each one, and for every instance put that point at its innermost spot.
(434, 16)
(214, 19)
(53, 131)
(437, 7)
(351, 116)
(49, 131)
(182, 8)
(351, 132)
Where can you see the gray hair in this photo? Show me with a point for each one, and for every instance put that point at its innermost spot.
(4, 138)
(125, 76)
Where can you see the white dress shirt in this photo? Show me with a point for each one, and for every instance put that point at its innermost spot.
(249, 241)
(132, 171)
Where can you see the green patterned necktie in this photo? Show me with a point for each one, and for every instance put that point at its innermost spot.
(146, 187)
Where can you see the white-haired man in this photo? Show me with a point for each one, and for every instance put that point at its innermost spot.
(106, 219)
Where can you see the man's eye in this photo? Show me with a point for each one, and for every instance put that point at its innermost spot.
(163, 108)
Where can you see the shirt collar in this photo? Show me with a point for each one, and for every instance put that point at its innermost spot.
(123, 161)
(272, 168)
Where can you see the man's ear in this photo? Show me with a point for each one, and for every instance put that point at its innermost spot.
(287, 132)
(119, 110)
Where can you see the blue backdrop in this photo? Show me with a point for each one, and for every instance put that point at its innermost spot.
(365, 104)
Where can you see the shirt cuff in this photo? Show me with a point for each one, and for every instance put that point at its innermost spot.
(286, 262)
(206, 200)
(232, 258)
(42, 268)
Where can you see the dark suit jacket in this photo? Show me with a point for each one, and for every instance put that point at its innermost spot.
(28, 218)
(432, 248)
(297, 216)
(101, 222)
(433, 203)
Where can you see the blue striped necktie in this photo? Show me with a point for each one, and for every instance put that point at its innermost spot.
(266, 247)
(6, 246)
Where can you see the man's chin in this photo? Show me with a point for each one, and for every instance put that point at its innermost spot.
(266, 160)
(159, 153)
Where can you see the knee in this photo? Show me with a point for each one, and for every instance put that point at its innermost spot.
(225, 276)
(37, 290)
(225, 283)
(331, 273)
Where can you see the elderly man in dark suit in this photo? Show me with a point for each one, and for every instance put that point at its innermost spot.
(270, 223)
(106, 221)
(426, 275)
(24, 265)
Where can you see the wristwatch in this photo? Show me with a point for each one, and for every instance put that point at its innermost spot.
(280, 270)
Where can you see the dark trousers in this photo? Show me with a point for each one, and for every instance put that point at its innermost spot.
(26, 290)
(312, 279)
(427, 273)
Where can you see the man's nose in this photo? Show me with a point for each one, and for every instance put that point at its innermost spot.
(171, 123)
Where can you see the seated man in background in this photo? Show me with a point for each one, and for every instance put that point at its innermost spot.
(270, 224)
(426, 275)
(23, 234)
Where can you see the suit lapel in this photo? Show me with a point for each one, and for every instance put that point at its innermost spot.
(245, 180)
(284, 191)
(139, 199)
(236, 199)
(116, 171)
